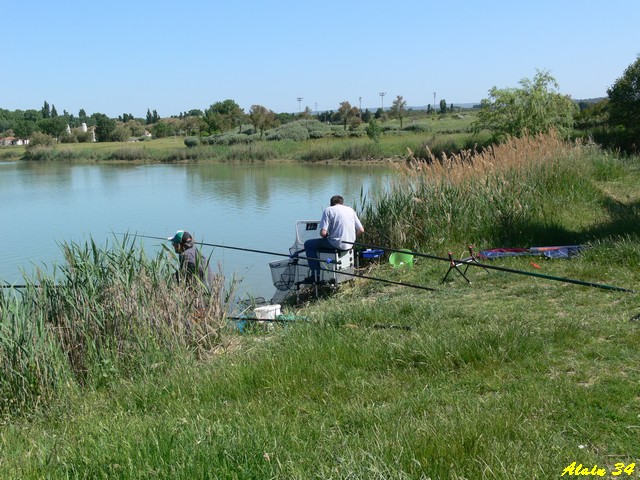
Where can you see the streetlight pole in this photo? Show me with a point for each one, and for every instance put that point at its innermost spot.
(299, 100)
(382, 94)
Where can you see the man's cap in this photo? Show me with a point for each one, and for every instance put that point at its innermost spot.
(180, 236)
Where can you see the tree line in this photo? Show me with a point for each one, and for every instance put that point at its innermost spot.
(218, 118)
(535, 106)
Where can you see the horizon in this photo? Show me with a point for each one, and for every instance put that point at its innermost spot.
(466, 106)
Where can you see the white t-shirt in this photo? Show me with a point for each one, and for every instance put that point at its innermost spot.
(341, 222)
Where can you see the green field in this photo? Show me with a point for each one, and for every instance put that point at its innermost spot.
(448, 133)
(509, 376)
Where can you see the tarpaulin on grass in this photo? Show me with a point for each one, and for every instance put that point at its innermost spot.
(565, 251)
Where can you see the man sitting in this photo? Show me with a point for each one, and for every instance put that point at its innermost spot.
(339, 228)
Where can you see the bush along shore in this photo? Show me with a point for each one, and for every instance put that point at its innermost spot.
(105, 374)
(298, 141)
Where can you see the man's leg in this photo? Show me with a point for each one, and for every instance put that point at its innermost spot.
(311, 250)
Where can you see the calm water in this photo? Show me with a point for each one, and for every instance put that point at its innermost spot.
(246, 206)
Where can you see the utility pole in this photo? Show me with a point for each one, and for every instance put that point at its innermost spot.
(382, 94)
(360, 106)
(434, 102)
(300, 100)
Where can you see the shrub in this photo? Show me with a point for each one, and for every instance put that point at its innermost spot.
(120, 134)
(39, 139)
(68, 138)
(417, 127)
(340, 133)
(296, 131)
(230, 139)
(83, 137)
(316, 134)
(191, 142)
(373, 130)
(239, 139)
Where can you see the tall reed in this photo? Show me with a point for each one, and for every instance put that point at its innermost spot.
(106, 313)
(508, 194)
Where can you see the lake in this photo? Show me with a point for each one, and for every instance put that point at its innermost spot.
(252, 206)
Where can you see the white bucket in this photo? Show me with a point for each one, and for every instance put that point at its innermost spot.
(268, 312)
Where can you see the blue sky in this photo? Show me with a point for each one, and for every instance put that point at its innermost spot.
(119, 56)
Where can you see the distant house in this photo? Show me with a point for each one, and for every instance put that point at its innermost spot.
(6, 141)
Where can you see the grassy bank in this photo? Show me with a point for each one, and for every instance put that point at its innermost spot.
(318, 142)
(510, 376)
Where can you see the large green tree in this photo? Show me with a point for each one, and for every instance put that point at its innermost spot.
(223, 116)
(624, 106)
(347, 112)
(535, 107)
(261, 118)
(104, 127)
(24, 128)
(54, 126)
(443, 106)
(46, 110)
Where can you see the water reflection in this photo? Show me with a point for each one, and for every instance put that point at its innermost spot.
(249, 206)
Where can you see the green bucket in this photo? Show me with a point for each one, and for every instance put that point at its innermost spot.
(401, 258)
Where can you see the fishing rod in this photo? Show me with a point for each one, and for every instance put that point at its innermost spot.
(277, 254)
(21, 286)
(501, 269)
(295, 256)
(383, 280)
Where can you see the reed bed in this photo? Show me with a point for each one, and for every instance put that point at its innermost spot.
(107, 313)
(511, 194)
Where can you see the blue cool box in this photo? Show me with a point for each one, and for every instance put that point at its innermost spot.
(372, 253)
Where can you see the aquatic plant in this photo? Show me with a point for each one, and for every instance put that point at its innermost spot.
(108, 312)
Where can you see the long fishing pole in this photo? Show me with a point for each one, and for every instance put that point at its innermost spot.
(357, 275)
(502, 269)
(292, 257)
(277, 254)
(24, 285)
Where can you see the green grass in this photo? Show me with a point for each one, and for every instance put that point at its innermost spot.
(447, 133)
(511, 376)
